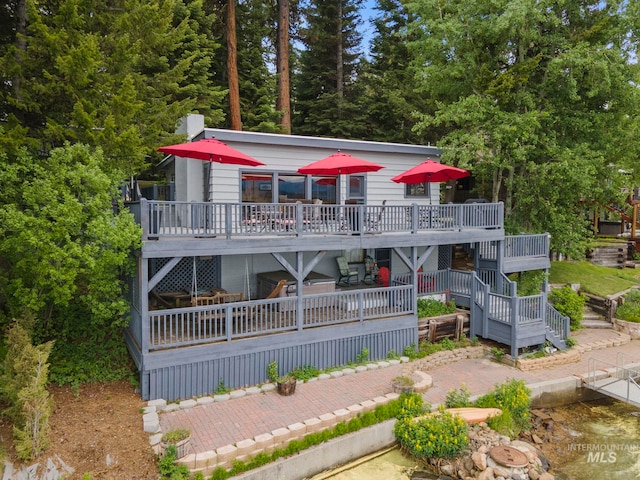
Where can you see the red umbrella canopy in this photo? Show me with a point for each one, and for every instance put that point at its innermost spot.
(430, 172)
(339, 164)
(212, 150)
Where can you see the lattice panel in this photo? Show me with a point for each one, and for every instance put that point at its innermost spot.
(181, 276)
(444, 257)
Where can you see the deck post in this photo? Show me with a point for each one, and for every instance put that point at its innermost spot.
(228, 219)
(143, 286)
(515, 313)
(144, 218)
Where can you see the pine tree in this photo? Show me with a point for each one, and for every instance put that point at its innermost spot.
(23, 387)
(115, 74)
(326, 92)
(389, 81)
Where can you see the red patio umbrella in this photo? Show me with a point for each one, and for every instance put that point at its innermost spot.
(212, 150)
(430, 172)
(339, 164)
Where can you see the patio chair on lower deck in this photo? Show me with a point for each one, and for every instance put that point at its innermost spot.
(345, 272)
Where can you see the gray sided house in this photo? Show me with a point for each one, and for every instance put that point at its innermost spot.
(240, 266)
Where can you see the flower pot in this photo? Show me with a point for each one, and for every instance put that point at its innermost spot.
(287, 387)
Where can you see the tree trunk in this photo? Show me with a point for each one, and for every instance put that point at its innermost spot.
(496, 184)
(283, 102)
(235, 121)
(339, 61)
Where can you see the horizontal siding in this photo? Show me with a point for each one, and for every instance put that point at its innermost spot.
(225, 179)
(197, 371)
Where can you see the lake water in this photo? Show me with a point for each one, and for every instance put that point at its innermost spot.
(598, 440)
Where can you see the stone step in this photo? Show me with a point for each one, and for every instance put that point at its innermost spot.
(586, 323)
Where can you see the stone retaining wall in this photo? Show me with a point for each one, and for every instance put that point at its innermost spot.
(443, 358)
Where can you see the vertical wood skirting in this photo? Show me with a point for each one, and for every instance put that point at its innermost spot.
(188, 376)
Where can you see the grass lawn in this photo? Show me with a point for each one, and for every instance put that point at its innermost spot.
(594, 279)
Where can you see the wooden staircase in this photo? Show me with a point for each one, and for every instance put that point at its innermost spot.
(614, 255)
(554, 339)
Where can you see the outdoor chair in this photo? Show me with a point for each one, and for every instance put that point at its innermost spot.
(345, 272)
(277, 289)
(370, 270)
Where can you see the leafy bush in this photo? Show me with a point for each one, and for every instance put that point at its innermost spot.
(272, 371)
(426, 348)
(629, 309)
(457, 398)
(168, 467)
(530, 283)
(305, 372)
(363, 356)
(513, 398)
(569, 303)
(429, 307)
(440, 435)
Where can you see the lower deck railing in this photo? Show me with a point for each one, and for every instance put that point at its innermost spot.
(181, 327)
(506, 318)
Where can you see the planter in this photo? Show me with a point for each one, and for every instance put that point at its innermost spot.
(451, 325)
(402, 385)
(630, 328)
(182, 447)
(286, 387)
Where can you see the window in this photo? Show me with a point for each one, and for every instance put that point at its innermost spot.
(257, 188)
(324, 188)
(356, 190)
(291, 187)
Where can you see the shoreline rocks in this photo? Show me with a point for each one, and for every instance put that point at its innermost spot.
(494, 457)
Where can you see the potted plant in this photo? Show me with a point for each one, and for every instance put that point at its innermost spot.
(286, 385)
(402, 384)
(179, 437)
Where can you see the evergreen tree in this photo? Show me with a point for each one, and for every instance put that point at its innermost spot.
(391, 97)
(536, 98)
(117, 75)
(326, 100)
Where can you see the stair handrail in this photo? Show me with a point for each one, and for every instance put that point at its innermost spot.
(557, 322)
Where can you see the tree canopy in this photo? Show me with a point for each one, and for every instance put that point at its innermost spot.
(538, 100)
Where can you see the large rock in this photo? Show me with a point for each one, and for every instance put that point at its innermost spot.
(479, 460)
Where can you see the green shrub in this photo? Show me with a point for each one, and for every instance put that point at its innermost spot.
(272, 371)
(168, 467)
(304, 373)
(497, 353)
(513, 397)
(569, 303)
(530, 283)
(457, 398)
(440, 435)
(629, 309)
(363, 356)
(429, 307)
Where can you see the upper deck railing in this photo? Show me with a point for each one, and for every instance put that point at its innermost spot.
(194, 219)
